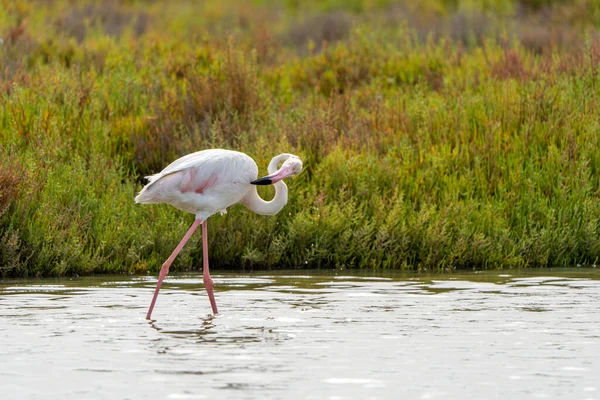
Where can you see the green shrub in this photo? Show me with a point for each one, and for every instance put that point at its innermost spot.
(435, 136)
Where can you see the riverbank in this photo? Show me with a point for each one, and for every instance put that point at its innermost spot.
(439, 137)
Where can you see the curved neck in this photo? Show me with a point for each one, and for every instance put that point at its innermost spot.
(255, 203)
(274, 164)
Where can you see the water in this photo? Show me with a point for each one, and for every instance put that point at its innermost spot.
(313, 336)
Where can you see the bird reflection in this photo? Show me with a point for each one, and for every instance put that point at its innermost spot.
(205, 328)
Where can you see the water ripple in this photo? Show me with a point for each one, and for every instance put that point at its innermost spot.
(492, 336)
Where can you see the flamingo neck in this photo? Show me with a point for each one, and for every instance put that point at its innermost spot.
(255, 203)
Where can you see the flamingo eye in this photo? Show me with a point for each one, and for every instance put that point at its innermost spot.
(298, 166)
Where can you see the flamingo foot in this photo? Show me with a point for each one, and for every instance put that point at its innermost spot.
(208, 282)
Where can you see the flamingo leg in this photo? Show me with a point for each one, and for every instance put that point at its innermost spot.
(165, 267)
(208, 282)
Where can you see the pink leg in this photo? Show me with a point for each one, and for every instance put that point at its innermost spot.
(165, 267)
(208, 282)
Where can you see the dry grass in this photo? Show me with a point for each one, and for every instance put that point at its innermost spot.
(203, 107)
(320, 30)
(11, 178)
(113, 17)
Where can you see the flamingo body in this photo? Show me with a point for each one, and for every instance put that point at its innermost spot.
(209, 181)
(202, 183)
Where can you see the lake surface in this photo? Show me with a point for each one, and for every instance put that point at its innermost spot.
(314, 335)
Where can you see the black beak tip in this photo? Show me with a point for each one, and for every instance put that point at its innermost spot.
(262, 181)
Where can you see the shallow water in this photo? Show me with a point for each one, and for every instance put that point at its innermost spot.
(311, 336)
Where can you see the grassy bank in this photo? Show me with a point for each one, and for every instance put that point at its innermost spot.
(445, 135)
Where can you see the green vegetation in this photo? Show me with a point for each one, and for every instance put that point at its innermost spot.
(435, 134)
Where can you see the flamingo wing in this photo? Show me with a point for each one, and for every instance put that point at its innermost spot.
(197, 173)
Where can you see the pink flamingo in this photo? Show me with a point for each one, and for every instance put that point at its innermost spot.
(209, 181)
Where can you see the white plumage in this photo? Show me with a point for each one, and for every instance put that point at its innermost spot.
(202, 183)
(209, 181)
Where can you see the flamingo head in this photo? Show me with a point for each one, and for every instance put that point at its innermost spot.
(292, 165)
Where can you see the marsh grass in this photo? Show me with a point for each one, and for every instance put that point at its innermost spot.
(436, 137)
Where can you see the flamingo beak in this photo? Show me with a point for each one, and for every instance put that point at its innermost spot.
(281, 173)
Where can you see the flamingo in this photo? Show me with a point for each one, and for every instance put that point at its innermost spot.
(208, 181)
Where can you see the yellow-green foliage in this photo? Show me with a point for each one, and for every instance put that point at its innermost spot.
(436, 134)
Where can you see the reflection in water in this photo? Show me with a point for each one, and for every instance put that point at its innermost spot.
(304, 336)
(206, 324)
